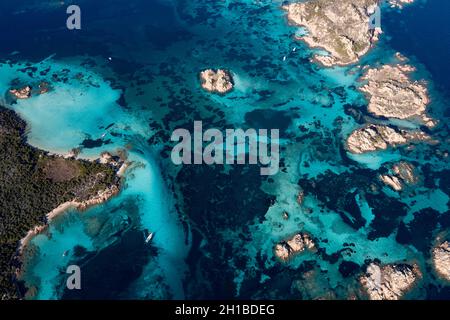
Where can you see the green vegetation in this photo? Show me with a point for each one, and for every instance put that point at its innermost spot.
(33, 183)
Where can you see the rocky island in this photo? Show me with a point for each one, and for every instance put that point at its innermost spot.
(21, 93)
(217, 81)
(392, 94)
(441, 260)
(286, 249)
(402, 173)
(33, 184)
(389, 282)
(340, 27)
(373, 137)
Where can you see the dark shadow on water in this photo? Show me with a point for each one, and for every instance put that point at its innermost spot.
(108, 273)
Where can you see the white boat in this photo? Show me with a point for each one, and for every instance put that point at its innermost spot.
(293, 50)
(284, 58)
(149, 237)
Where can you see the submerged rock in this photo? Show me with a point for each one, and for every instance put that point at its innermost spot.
(340, 27)
(441, 259)
(300, 242)
(22, 93)
(300, 197)
(375, 137)
(219, 81)
(389, 282)
(392, 94)
(44, 87)
(313, 285)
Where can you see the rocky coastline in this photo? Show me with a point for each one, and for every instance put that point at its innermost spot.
(401, 174)
(27, 91)
(36, 189)
(399, 3)
(100, 197)
(441, 259)
(391, 93)
(375, 137)
(389, 282)
(340, 27)
(286, 249)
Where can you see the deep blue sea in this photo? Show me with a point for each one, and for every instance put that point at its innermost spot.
(129, 77)
(422, 31)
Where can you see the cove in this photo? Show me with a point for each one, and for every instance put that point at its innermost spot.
(60, 121)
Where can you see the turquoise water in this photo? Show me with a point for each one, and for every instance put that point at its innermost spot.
(215, 227)
(51, 261)
(61, 120)
(78, 108)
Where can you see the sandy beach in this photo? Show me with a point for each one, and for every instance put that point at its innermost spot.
(101, 197)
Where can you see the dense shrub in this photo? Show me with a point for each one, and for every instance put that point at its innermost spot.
(27, 194)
